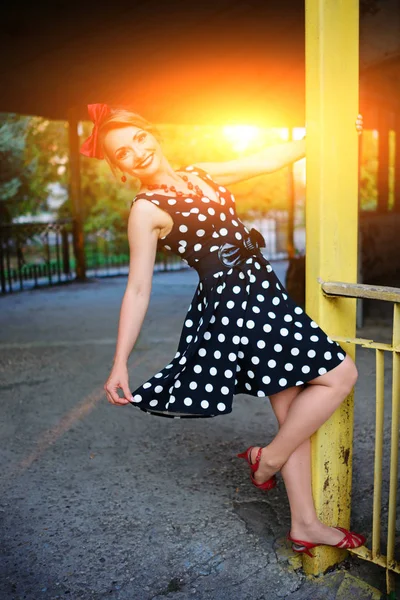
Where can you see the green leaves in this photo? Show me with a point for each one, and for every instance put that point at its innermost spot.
(30, 151)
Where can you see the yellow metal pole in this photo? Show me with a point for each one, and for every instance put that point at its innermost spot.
(331, 223)
(379, 431)
(394, 447)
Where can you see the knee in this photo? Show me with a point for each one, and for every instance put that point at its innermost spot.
(348, 376)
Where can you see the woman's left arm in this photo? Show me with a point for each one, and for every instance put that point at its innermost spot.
(267, 160)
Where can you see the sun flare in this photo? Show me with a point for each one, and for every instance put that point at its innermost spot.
(241, 135)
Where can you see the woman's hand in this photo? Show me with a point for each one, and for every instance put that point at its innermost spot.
(118, 379)
(359, 124)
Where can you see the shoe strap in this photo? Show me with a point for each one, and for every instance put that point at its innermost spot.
(267, 485)
(254, 466)
(350, 539)
(301, 543)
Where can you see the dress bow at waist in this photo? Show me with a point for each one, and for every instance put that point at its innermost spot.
(234, 254)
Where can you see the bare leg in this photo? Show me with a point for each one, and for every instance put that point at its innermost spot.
(310, 408)
(296, 473)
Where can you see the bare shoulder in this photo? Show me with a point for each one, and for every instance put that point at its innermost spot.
(144, 212)
(146, 216)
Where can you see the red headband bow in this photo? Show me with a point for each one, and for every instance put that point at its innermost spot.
(91, 146)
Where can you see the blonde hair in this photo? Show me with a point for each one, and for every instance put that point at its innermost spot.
(122, 117)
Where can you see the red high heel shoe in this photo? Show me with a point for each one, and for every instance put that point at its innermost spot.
(349, 540)
(267, 485)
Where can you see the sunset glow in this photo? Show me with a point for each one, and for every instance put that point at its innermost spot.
(284, 134)
(241, 135)
(299, 133)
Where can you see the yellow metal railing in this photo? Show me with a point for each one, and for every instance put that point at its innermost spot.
(389, 294)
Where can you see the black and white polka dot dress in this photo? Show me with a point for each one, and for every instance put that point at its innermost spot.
(242, 333)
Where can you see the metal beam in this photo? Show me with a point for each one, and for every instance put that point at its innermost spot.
(332, 45)
(75, 196)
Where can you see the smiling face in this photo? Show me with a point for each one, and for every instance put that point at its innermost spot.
(134, 151)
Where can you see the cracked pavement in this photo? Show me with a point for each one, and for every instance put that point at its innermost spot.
(99, 501)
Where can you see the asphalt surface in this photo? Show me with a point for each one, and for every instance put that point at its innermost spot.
(99, 501)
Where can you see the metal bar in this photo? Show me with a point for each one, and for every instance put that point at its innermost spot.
(35, 275)
(390, 584)
(65, 251)
(360, 290)
(366, 343)
(58, 260)
(360, 253)
(19, 262)
(388, 562)
(76, 196)
(377, 502)
(366, 554)
(332, 71)
(394, 450)
(48, 257)
(8, 264)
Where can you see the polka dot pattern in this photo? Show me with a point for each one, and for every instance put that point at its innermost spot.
(243, 333)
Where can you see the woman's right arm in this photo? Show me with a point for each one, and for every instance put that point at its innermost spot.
(143, 233)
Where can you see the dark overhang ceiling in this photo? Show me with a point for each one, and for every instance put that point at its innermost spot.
(206, 62)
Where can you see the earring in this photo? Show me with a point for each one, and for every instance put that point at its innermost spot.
(123, 178)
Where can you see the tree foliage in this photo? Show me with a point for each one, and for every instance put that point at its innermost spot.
(33, 152)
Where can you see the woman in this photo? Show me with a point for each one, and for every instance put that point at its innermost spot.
(242, 333)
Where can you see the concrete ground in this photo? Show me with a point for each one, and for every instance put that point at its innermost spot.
(99, 501)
